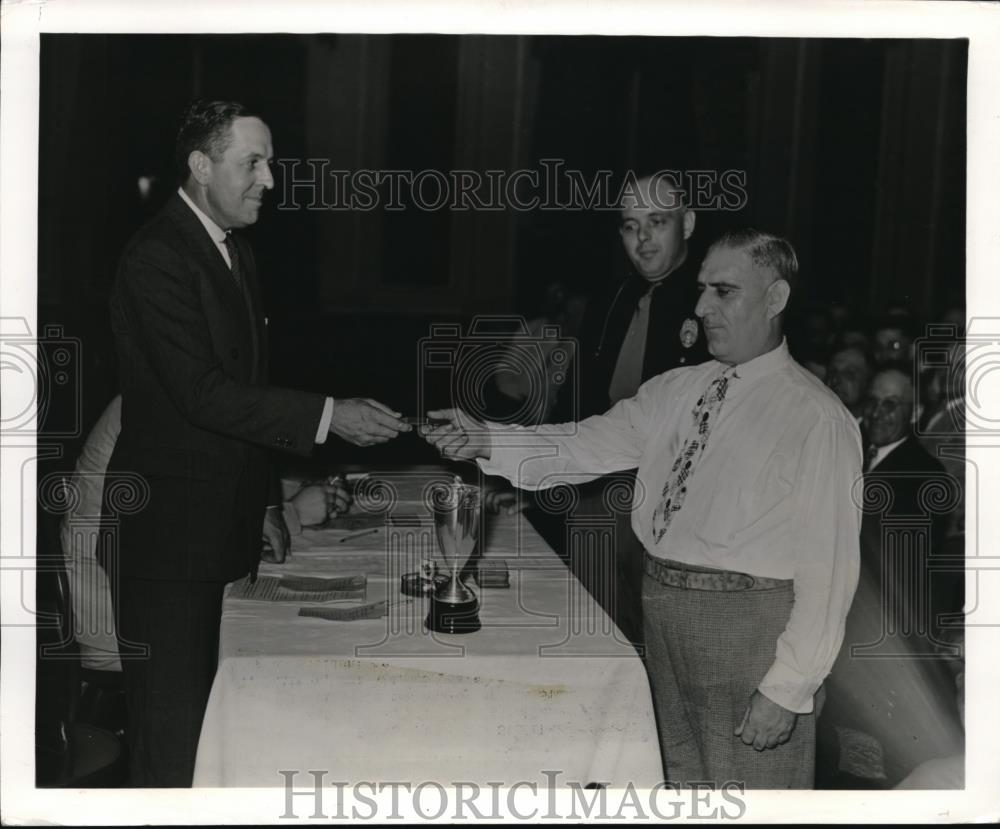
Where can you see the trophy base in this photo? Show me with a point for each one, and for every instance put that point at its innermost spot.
(453, 618)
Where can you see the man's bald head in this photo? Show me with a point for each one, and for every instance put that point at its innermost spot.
(659, 191)
(655, 226)
(894, 380)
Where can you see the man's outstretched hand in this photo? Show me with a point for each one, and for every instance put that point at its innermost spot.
(765, 723)
(460, 437)
(365, 422)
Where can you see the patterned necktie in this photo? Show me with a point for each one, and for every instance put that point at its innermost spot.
(705, 414)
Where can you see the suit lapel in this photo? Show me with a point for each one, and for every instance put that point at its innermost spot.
(904, 458)
(206, 253)
(256, 318)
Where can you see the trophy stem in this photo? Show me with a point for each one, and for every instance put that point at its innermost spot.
(456, 508)
(455, 592)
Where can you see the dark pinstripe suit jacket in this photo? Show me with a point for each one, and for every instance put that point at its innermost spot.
(198, 419)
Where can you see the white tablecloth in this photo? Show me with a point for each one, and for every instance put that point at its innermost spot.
(548, 684)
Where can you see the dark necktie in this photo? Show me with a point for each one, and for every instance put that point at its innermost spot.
(234, 264)
(705, 414)
(627, 376)
(241, 285)
(870, 453)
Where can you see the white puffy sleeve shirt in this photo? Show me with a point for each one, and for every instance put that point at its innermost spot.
(773, 494)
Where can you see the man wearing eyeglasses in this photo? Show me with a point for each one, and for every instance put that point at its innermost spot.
(896, 462)
(887, 417)
(886, 711)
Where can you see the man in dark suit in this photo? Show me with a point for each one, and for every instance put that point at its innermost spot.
(890, 704)
(198, 422)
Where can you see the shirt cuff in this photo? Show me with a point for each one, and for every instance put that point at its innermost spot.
(788, 689)
(324, 421)
(494, 466)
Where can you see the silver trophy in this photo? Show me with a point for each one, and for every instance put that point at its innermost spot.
(456, 507)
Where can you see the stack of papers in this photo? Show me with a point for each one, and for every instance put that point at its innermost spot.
(300, 588)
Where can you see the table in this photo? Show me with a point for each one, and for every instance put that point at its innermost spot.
(547, 684)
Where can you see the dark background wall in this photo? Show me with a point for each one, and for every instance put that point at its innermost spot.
(854, 149)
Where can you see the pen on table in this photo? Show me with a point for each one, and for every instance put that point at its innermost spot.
(359, 534)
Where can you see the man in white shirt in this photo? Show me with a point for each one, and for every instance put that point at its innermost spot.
(746, 466)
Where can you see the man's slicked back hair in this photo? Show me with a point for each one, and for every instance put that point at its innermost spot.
(205, 126)
(765, 251)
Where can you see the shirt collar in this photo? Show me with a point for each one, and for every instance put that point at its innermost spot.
(770, 361)
(217, 233)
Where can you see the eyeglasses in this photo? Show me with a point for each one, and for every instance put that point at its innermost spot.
(887, 406)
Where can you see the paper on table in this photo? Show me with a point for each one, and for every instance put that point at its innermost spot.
(372, 520)
(359, 521)
(375, 610)
(300, 589)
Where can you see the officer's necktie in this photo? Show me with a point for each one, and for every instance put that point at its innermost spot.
(627, 376)
(705, 414)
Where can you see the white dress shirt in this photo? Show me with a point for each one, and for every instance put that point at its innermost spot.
(771, 495)
(219, 237)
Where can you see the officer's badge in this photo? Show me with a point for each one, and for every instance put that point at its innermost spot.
(689, 333)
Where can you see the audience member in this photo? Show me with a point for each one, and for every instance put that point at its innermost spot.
(887, 698)
(847, 375)
(942, 431)
(94, 628)
(80, 535)
(893, 341)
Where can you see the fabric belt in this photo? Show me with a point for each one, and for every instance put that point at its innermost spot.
(689, 577)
